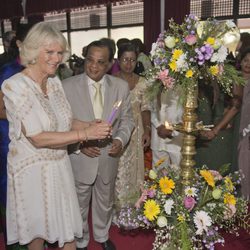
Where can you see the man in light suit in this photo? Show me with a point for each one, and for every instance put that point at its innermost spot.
(166, 144)
(95, 169)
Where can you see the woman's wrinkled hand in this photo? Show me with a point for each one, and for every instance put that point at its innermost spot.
(98, 130)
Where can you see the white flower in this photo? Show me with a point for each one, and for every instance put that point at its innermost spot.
(181, 63)
(152, 174)
(202, 220)
(220, 56)
(162, 221)
(153, 49)
(230, 24)
(170, 42)
(168, 206)
(190, 191)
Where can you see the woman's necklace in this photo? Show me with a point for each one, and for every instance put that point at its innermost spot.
(43, 85)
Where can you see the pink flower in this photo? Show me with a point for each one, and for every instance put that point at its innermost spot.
(161, 44)
(217, 176)
(167, 80)
(189, 202)
(151, 193)
(190, 39)
(142, 198)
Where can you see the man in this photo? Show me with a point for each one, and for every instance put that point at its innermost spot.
(7, 55)
(165, 143)
(95, 168)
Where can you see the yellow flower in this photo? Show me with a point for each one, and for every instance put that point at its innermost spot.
(158, 163)
(153, 187)
(189, 73)
(229, 183)
(210, 40)
(208, 177)
(214, 70)
(176, 40)
(173, 65)
(177, 53)
(180, 217)
(167, 185)
(151, 210)
(229, 199)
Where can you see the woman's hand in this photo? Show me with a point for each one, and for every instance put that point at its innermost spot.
(97, 130)
(210, 134)
(146, 138)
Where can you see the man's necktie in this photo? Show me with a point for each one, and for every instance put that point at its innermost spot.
(97, 101)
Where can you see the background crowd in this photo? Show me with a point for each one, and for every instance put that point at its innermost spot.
(51, 104)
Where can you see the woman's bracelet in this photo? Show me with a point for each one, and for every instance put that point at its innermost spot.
(148, 126)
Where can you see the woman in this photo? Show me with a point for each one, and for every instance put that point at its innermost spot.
(244, 143)
(41, 198)
(215, 107)
(131, 165)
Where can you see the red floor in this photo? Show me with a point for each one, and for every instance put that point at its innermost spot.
(143, 241)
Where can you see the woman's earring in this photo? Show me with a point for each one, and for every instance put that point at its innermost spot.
(33, 61)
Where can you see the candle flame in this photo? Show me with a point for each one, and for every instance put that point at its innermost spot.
(168, 125)
(117, 104)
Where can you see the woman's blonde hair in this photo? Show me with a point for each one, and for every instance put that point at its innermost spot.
(39, 35)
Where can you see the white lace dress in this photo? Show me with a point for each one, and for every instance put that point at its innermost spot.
(41, 196)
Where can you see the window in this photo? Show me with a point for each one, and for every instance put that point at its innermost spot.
(79, 39)
(244, 7)
(127, 14)
(89, 18)
(57, 19)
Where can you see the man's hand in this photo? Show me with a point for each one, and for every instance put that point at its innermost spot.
(163, 132)
(116, 147)
(91, 151)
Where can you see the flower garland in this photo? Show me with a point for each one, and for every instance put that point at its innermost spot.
(194, 50)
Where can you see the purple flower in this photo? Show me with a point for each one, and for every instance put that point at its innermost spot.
(151, 193)
(157, 61)
(189, 202)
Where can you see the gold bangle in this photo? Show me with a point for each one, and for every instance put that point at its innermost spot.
(85, 133)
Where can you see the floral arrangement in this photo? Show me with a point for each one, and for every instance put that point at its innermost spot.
(191, 51)
(192, 220)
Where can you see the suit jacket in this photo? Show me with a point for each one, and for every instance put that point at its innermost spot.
(77, 92)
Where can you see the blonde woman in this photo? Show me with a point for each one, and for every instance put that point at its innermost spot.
(41, 198)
